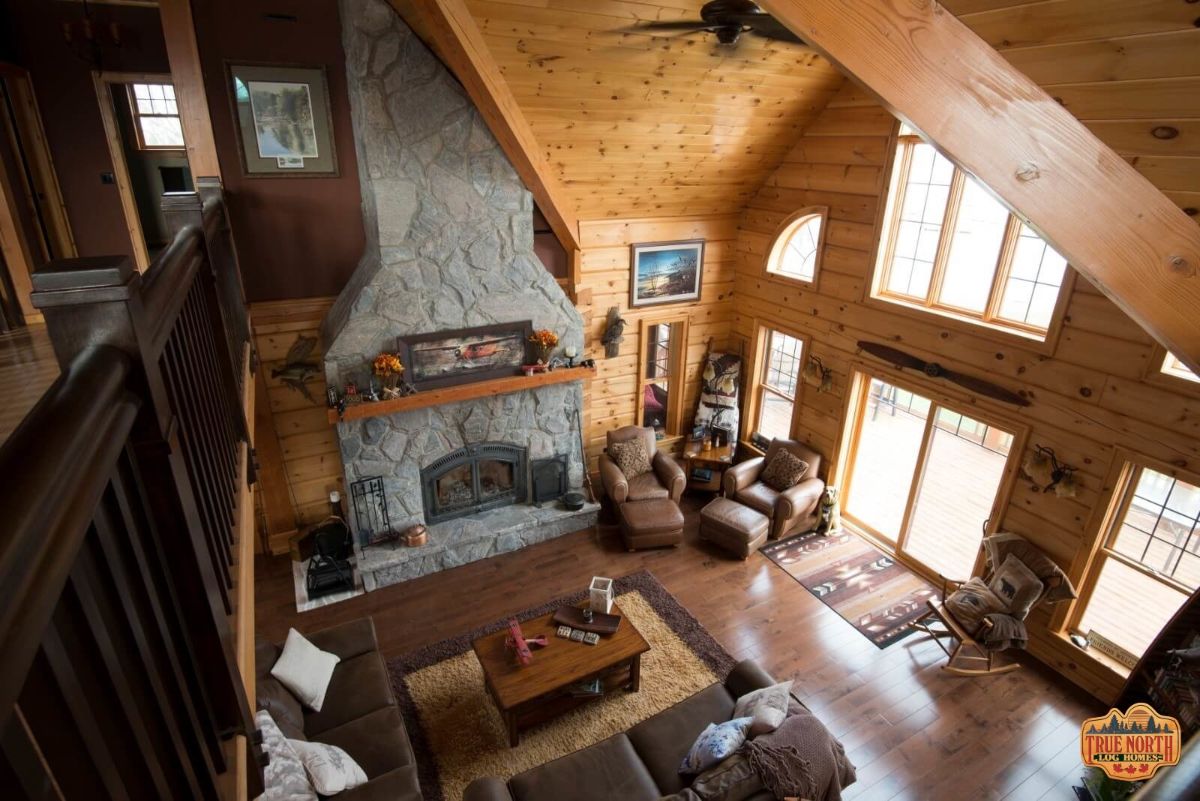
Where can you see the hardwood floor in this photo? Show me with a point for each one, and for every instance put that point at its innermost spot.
(27, 368)
(913, 731)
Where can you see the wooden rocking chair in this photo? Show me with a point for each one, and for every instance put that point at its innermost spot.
(938, 613)
(969, 656)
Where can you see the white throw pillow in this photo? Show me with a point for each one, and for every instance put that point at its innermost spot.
(305, 670)
(768, 707)
(330, 769)
(284, 778)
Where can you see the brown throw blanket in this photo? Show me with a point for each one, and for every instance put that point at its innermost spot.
(1004, 633)
(801, 759)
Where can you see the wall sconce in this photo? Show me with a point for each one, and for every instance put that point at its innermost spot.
(818, 375)
(1047, 473)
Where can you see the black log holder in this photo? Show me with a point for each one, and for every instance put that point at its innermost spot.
(329, 569)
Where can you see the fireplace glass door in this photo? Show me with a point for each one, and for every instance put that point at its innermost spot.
(471, 479)
(495, 478)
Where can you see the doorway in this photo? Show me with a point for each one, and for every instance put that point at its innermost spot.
(145, 141)
(924, 478)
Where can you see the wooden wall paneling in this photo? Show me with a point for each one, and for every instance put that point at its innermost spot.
(1089, 396)
(1133, 243)
(605, 263)
(19, 256)
(179, 32)
(309, 462)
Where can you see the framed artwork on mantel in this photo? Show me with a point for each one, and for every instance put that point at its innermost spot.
(465, 355)
(666, 272)
(285, 128)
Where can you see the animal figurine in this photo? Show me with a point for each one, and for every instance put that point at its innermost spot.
(830, 521)
(296, 371)
(614, 329)
(520, 646)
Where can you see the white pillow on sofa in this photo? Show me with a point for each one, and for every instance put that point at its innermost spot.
(305, 670)
(768, 707)
(284, 778)
(330, 769)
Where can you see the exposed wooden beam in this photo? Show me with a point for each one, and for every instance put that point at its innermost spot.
(1111, 223)
(179, 31)
(449, 29)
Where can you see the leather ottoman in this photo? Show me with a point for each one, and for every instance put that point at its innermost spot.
(651, 523)
(733, 526)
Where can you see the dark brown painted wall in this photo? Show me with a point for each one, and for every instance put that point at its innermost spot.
(62, 80)
(297, 237)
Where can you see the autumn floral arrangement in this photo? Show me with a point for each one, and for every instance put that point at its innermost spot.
(544, 340)
(388, 367)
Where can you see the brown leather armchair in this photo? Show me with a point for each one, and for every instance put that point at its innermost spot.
(666, 480)
(796, 508)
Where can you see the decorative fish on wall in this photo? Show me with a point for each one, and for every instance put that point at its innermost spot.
(296, 372)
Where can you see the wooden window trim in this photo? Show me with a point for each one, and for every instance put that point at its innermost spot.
(989, 319)
(840, 473)
(137, 115)
(782, 237)
(762, 339)
(1085, 570)
(678, 360)
(1155, 374)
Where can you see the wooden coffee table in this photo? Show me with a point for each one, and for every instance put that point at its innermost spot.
(530, 694)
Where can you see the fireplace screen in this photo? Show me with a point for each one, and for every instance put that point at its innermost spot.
(472, 479)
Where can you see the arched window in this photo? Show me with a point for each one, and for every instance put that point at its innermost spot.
(797, 249)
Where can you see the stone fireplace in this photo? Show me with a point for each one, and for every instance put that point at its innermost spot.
(449, 233)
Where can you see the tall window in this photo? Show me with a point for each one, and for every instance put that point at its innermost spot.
(778, 380)
(662, 354)
(155, 116)
(1172, 366)
(923, 477)
(797, 250)
(1150, 561)
(948, 245)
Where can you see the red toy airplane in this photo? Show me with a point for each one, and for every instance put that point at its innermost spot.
(520, 645)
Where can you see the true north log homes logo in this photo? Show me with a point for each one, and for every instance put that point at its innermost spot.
(1130, 746)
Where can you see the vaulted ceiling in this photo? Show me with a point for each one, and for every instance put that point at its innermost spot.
(1130, 71)
(640, 125)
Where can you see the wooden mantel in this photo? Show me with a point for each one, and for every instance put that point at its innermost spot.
(479, 389)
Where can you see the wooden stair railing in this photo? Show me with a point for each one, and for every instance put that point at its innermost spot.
(125, 495)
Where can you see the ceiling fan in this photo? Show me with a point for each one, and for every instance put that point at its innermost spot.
(935, 370)
(728, 19)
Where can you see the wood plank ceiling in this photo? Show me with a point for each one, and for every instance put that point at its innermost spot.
(637, 125)
(1130, 71)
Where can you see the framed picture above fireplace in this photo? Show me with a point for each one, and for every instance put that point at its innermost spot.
(465, 355)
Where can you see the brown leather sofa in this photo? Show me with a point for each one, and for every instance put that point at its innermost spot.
(666, 480)
(641, 764)
(359, 714)
(793, 510)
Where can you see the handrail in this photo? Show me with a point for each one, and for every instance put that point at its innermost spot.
(55, 467)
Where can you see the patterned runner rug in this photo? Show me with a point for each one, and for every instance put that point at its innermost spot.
(870, 590)
(458, 735)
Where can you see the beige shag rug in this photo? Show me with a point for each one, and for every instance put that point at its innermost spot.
(459, 736)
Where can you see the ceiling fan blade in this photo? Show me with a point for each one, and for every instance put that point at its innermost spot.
(892, 355)
(986, 388)
(770, 28)
(676, 25)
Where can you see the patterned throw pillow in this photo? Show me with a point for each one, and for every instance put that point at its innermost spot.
(1017, 586)
(783, 471)
(631, 457)
(714, 744)
(284, 778)
(330, 769)
(766, 707)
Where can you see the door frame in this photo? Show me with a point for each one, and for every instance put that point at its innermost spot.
(104, 82)
(860, 383)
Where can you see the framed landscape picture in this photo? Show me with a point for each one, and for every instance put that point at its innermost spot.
(284, 124)
(666, 272)
(448, 358)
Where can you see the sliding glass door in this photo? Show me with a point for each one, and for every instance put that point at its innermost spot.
(923, 477)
